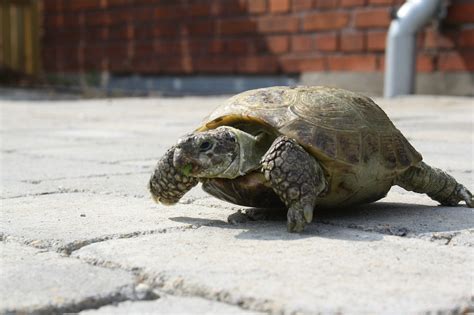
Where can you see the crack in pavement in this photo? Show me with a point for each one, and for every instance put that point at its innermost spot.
(75, 191)
(53, 192)
(177, 286)
(130, 292)
(38, 181)
(443, 238)
(102, 162)
(68, 248)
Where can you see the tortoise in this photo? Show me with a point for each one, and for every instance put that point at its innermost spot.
(299, 147)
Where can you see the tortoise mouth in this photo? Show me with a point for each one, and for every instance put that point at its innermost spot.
(186, 165)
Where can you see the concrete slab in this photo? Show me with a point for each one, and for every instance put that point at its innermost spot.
(44, 282)
(324, 270)
(171, 305)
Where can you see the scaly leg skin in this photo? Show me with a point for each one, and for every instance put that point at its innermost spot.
(437, 184)
(296, 177)
(167, 185)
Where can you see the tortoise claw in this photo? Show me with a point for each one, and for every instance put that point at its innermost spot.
(296, 220)
(466, 195)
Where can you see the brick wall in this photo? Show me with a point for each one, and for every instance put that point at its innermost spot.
(241, 36)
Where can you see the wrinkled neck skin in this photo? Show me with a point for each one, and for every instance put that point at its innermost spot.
(248, 158)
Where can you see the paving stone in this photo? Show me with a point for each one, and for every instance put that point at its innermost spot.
(39, 281)
(68, 221)
(171, 305)
(324, 270)
(74, 173)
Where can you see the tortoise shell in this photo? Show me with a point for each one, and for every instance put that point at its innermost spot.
(347, 132)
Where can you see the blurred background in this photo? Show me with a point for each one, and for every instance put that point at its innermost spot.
(173, 47)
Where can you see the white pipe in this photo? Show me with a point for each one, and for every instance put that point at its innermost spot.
(400, 57)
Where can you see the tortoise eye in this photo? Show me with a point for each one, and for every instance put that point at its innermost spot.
(205, 146)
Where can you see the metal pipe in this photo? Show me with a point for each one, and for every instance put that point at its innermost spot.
(400, 57)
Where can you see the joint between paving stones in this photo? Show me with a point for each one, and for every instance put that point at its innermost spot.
(69, 248)
(125, 293)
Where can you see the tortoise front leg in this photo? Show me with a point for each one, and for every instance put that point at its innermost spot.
(167, 185)
(296, 177)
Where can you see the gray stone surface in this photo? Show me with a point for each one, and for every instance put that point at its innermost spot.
(43, 281)
(171, 305)
(73, 180)
(326, 269)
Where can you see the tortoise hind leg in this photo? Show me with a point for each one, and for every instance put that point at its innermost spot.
(437, 184)
(296, 177)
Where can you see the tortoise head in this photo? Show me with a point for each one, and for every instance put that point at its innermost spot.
(208, 154)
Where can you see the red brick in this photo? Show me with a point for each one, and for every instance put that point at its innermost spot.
(456, 61)
(302, 43)
(199, 9)
(381, 63)
(97, 18)
(236, 26)
(145, 65)
(240, 46)
(143, 32)
(118, 32)
(326, 42)
(143, 49)
(82, 5)
(277, 44)
(168, 12)
(424, 63)
(93, 35)
(381, 2)
(176, 65)
(50, 5)
(121, 16)
(352, 63)
(352, 41)
(459, 13)
(278, 6)
(228, 8)
(215, 46)
(301, 5)
(69, 21)
(368, 18)
(256, 64)
(277, 24)
(302, 64)
(215, 64)
(141, 14)
(167, 48)
(352, 3)
(257, 6)
(326, 4)
(325, 21)
(434, 39)
(376, 40)
(201, 27)
(466, 38)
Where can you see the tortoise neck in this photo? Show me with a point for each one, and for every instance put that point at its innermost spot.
(249, 156)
